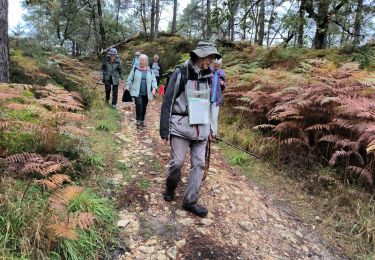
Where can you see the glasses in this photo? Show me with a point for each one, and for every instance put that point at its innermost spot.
(211, 57)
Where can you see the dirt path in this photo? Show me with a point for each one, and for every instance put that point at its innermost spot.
(243, 221)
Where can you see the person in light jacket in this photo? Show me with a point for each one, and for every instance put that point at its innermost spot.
(185, 127)
(142, 85)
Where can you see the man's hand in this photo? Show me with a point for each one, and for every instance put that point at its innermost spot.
(222, 82)
(153, 92)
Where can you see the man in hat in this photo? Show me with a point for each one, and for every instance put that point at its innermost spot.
(135, 61)
(111, 69)
(186, 125)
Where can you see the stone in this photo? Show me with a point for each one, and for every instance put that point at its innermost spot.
(181, 213)
(161, 255)
(263, 216)
(246, 225)
(207, 221)
(172, 253)
(147, 249)
(213, 170)
(151, 242)
(123, 222)
(180, 243)
(317, 219)
(186, 221)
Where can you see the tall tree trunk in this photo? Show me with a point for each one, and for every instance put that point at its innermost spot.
(261, 22)
(320, 39)
(152, 29)
(358, 23)
(157, 19)
(174, 21)
(118, 12)
(233, 10)
(101, 25)
(301, 23)
(4, 48)
(208, 20)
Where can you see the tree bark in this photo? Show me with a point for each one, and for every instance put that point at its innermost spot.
(358, 23)
(301, 24)
(101, 24)
(174, 21)
(261, 22)
(157, 19)
(208, 21)
(4, 48)
(152, 29)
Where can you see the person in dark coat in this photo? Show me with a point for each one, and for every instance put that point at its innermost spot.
(112, 74)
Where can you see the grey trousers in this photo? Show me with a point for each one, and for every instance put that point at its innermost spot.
(179, 148)
(214, 118)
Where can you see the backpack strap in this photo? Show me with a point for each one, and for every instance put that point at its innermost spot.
(183, 80)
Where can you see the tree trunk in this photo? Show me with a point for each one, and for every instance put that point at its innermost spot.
(4, 48)
(320, 39)
(174, 21)
(208, 20)
(157, 18)
(358, 23)
(152, 29)
(301, 24)
(261, 22)
(101, 25)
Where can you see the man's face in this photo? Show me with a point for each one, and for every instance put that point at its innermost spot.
(112, 57)
(207, 61)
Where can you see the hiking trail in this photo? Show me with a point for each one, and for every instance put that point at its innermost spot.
(243, 222)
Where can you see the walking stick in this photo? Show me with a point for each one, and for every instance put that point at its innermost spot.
(238, 148)
(207, 159)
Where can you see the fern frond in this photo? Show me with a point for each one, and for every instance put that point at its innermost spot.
(86, 220)
(339, 154)
(62, 197)
(263, 127)
(319, 127)
(54, 181)
(64, 230)
(286, 126)
(293, 141)
(21, 157)
(330, 138)
(363, 173)
(242, 108)
(4, 125)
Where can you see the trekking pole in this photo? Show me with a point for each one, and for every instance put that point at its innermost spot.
(238, 148)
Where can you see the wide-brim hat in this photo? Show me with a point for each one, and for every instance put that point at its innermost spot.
(204, 49)
(112, 51)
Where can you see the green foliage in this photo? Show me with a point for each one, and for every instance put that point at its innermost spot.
(96, 161)
(365, 57)
(88, 201)
(239, 159)
(17, 142)
(144, 183)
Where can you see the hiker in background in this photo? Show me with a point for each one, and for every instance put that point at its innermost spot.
(218, 84)
(111, 69)
(157, 68)
(185, 123)
(135, 61)
(142, 85)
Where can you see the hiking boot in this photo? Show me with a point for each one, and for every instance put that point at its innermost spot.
(138, 123)
(142, 123)
(197, 209)
(114, 106)
(168, 195)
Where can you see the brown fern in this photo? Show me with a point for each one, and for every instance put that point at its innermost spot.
(64, 196)
(22, 157)
(64, 229)
(338, 155)
(86, 220)
(54, 181)
(363, 173)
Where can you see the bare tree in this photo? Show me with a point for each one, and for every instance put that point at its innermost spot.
(262, 15)
(101, 24)
(208, 22)
(301, 23)
(174, 21)
(157, 18)
(4, 48)
(152, 29)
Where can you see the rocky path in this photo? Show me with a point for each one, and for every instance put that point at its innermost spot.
(243, 221)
